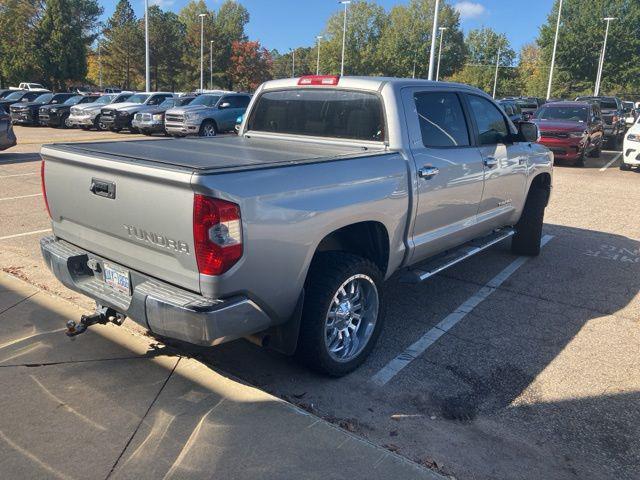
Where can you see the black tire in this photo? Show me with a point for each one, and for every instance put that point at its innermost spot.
(625, 167)
(133, 130)
(208, 129)
(115, 129)
(526, 240)
(580, 160)
(327, 273)
(98, 125)
(146, 132)
(596, 152)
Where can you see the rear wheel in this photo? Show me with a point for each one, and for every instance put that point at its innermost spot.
(526, 240)
(208, 129)
(343, 313)
(625, 166)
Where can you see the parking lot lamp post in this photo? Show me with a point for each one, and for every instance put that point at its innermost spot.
(344, 34)
(604, 49)
(147, 71)
(293, 62)
(553, 54)
(211, 64)
(100, 64)
(202, 15)
(441, 29)
(434, 31)
(318, 38)
(495, 78)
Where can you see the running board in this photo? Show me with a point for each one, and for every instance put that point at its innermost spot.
(452, 257)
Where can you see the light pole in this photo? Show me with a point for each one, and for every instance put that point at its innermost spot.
(432, 52)
(293, 62)
(202, 15)
(601, 63)
(495, 78)
(318, 38)
(211, 64)
(442, 29)
(344, 34)
(147, 73)
(100, 64)
(553, 55)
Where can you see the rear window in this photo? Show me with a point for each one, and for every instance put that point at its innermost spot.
(573, 114)
(320, 113)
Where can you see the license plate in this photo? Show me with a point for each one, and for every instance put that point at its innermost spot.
(117, 278)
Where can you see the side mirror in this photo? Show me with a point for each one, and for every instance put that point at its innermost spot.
(528, 132)
(224, 105)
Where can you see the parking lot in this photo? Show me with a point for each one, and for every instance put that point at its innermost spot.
(501, 367)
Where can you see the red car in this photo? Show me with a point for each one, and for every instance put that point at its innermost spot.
(571, 130)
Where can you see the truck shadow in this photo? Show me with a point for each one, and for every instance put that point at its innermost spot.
(9, 158)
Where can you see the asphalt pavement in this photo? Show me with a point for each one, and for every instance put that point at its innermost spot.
(539, 378)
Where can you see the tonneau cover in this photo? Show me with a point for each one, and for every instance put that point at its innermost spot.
(218, 153)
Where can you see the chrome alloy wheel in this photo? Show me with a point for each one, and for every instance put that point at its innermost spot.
(209, 130)
(351, 318)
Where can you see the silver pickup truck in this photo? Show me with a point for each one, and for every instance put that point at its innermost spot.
(285, 233)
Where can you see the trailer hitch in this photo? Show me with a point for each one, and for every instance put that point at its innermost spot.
(102, 315)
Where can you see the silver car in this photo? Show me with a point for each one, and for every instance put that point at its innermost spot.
(88, 116)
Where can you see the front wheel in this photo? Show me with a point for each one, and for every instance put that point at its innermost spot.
(526, 240)
(343, 313)
(208, 129)
(625, 166)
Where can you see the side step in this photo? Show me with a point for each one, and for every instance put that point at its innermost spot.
(449, 258)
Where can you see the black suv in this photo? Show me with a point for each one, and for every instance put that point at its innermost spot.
(27, 113)
(57, 115)
(7, 137)
(613, 117)
(18, 96)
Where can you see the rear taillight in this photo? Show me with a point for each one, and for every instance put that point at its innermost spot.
(217, 234)
(44, 188)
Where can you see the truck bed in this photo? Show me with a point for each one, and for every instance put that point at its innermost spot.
(202, 155)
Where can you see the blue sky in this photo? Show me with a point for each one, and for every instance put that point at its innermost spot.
(282, 24)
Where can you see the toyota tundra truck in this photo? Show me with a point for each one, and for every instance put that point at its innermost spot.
(285, 233)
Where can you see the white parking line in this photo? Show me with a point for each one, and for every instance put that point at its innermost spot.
(21, 196)
(611, 162)
(386, 373)
(35, 232)
(19, 175)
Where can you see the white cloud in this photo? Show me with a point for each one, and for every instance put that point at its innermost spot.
(469, 10)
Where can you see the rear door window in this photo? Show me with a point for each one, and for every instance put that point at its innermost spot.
(442, 122)
(239, 101)
(320, 112)
(491, 124)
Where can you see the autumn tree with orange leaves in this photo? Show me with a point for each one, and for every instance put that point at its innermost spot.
(250, 65)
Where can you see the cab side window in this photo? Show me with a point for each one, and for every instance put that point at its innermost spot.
(492, 127)
(442, 121)
(238, 102)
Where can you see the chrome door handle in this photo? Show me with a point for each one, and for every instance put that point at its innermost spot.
(428, 172)
(490, 162)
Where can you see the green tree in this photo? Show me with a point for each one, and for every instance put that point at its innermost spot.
(228, 28)
(166, 48)
(406, 40)
(18, 52)
(123, 48)
(62, 52)
(189, 16)
(482, 47)
(365, 21)
(580, 43)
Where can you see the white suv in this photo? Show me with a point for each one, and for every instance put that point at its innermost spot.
(631, 147)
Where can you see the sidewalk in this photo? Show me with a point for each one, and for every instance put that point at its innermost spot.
(112, 404)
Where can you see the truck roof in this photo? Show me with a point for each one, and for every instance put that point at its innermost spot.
(367, 83)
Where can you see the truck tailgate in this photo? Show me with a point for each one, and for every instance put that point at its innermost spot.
(136, 214)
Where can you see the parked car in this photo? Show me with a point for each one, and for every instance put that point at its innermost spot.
(5, 91)
(286, 232)
(36, 87)
(118, 116)
(207, 115)
(512, 109)
(151, 118)
(88, 116)
(18, 96)
(529, 105)
(26, 113)
(57, 115)
(7, 137)
(613, 117)
(571, 130)
(631, 147)
(112, 90)
(630, 113)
